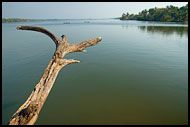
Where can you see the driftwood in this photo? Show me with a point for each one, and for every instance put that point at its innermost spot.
(28, 113)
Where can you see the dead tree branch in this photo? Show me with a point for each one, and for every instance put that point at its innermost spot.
(28, 113)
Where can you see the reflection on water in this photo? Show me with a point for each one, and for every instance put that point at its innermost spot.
(165, 30)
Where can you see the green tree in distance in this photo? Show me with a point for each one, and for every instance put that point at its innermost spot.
(167, 14)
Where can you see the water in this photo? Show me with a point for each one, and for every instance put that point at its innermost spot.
(137, 74)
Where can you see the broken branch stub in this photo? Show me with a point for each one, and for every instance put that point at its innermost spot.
(28, 113)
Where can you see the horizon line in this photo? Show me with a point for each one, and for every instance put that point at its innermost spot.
(60, 18)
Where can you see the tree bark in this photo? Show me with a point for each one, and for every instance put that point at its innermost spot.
(28, 113)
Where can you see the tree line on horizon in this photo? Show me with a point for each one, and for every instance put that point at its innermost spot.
(167, 14)
(14, 20)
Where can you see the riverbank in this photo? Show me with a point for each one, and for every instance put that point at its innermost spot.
(4, 20)
(167, 14)
(186, 22)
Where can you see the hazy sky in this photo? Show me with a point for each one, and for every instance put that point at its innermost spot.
(76, 10)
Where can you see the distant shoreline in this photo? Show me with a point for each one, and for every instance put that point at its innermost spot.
(4, 20)
(11, 20)
(154, 21)
(7, 20)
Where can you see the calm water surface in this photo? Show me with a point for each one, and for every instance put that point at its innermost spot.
(138, 73)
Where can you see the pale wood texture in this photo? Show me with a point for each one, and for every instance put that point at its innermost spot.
(28, 113)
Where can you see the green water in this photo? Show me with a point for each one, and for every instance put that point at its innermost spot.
(137, 74)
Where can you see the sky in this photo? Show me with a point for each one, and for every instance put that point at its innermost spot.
(77, 10)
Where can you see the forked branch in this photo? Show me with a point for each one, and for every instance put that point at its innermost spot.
(28, 113)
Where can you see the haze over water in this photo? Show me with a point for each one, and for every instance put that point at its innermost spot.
(137, 74)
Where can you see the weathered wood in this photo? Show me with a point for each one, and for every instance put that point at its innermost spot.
(28, 113)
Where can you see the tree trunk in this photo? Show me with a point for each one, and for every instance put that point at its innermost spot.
(28, 113)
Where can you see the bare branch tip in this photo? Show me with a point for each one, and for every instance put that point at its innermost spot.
(84, 50)
(64, 37)
(75, 61)
(18, 28)
(99, 38)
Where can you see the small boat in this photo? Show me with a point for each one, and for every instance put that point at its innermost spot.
(86, 22)
(66, 23)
